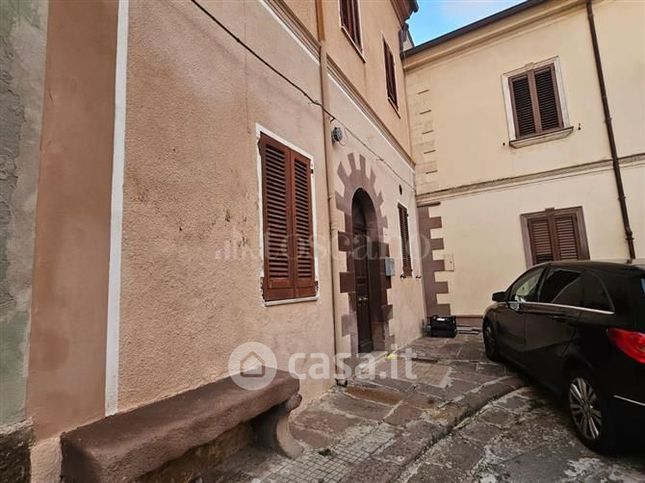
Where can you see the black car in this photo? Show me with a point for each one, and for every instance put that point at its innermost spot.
(579, 328)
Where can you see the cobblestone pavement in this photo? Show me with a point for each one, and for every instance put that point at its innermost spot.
(524, 436)
(373, 429)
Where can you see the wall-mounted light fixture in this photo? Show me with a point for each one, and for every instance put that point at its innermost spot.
(336, 135)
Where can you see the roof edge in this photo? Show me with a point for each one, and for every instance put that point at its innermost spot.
(521, 7)
(404, 9)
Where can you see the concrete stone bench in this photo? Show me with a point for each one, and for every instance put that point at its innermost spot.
(126, 446)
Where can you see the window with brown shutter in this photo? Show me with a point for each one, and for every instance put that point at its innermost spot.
(535, 101)
(288, 231)
(555, 235)
(405, 241)
(390, 75)
(350, 20)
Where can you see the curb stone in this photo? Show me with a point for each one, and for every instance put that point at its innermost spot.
(378, 468)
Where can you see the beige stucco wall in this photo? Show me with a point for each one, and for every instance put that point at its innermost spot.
(465, 135)
(191, 270)
(621, 35)
(305, 10)
(483, 230)
(367, 73)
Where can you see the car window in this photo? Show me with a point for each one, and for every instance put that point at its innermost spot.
(525, 288)
(596, 296)
(562, 287)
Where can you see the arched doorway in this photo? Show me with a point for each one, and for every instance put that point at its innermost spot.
(365, 255)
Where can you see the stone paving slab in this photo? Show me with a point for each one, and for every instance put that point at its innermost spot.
(524, 436)
(374, 428)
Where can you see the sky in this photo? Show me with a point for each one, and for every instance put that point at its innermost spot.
(437, 17)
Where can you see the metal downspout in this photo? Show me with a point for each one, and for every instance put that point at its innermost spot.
(331, 189)
(610, 132)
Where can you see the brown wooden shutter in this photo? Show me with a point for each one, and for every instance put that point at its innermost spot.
(356, 34)
(556, 235)
(567, 238)
(390, 74)
(536, 105)
(277, 223)
(346, 14)
(523, 106)
(288, 228)
(304, 272)
(405, 241)
(541, 240)
(547, 98)
(350, 20)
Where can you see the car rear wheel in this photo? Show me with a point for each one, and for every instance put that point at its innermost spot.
(490, 342)
(589, 411)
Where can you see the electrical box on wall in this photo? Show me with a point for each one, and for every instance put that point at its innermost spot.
(389, 266)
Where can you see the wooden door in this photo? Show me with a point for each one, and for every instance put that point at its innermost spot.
(361, 277)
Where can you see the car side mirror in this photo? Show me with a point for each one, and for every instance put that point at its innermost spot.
(499, 297)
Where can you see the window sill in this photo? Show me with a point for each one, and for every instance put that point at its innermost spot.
(541, 138)
(357, 48)
(272, 303)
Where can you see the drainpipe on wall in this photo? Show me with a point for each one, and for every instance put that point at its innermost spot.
(331, 189)
(610, 132)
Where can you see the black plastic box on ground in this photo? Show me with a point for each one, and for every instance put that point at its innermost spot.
(441, 326)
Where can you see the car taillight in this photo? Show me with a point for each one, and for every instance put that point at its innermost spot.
(630, 342)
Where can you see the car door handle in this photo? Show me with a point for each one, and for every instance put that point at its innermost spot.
(561, 318)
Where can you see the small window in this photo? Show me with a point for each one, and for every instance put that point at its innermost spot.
(562, 287)
(390, 75)
(596, 296)
(405, 241)
(525, 288)
(535, 101)
(555, 235)
(288, 231)
(350, 20)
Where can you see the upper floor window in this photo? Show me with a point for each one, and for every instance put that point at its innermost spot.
(350, 20)
(535, 102)
(390, 76)
(536, 107)
(288, 229)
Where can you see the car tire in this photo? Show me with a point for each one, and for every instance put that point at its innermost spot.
(490, 341)
(590, 412)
